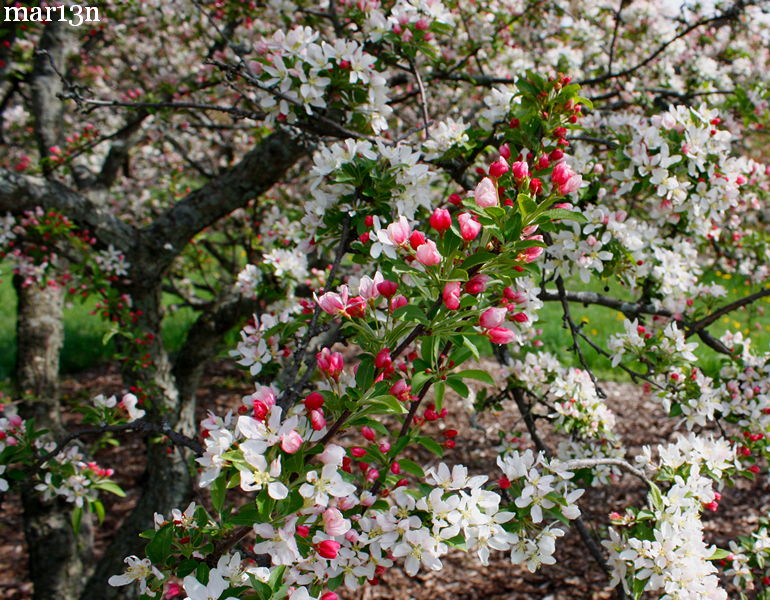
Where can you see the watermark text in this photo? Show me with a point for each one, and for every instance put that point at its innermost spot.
(75, 15)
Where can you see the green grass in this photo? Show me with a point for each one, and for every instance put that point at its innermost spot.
(602, 322)
(83, 332)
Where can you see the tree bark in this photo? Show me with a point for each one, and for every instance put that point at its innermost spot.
(56, 554)
(167, 481)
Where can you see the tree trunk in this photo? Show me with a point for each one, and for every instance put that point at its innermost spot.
(56, 555)
(167, 481)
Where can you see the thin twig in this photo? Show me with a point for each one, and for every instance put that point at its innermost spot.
(137, 425)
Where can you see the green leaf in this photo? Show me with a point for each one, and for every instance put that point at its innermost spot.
(526, 204)
(656, 497)
(638, 587)
(431, 444)
(478, 258)
(159, 548)
(75, 518)
(719, 554)
(365, 373)
(388, 404)
(562, 214)
(98, 508)
(468, 343)
(438, 395)
(276, 577)
(412, 313)
(112, 487)
(458, 386)
(186, 567)
(411, 467)
(476, 374)
(419, 380)
(218, 491)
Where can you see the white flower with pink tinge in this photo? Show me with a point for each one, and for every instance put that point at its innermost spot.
(137, 570)
(420, 548)
(259, 476)
(261, 436)
(329, 483)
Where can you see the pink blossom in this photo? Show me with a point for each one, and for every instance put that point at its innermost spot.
(334, 303)
(469, 226)
(334, 523)
(492, 317)
(565, 178)
(330, 363)
(399, 231)
(451, 295)
(500, 335)
(476, 284)
(367, 287)
(328, 549)
(428, 254)
(520, 169)
(485, 193)
(441, 220)
(291, 442)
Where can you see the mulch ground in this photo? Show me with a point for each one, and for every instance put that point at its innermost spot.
(575, 576)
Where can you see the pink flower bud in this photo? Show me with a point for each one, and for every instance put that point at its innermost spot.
(514, 295)
(303, 531)
(520, 170)
(428, 254)
(387, 288)
(314, 401)
(476, 284)
(492, 317)
(384, 447)
(500, 335)
(469, 226)
(498, 168)
(398, 302)
(334, 523)
(441, 220)
(383, 361)
(328, 549)
(416, 240)
(451, 295)
(317, 420)
(368, 433)
(486, 193)
(566, 180)
(291, 442)
(330, 363)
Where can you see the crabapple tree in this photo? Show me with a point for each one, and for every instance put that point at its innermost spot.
(391, 192)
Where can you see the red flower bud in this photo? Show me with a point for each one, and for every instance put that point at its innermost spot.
(328, 549)
(383, 361)
(314, 401)
(441, 220)
(387, 288)
(416, 240)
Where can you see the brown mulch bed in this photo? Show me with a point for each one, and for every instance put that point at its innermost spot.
(575, 576)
